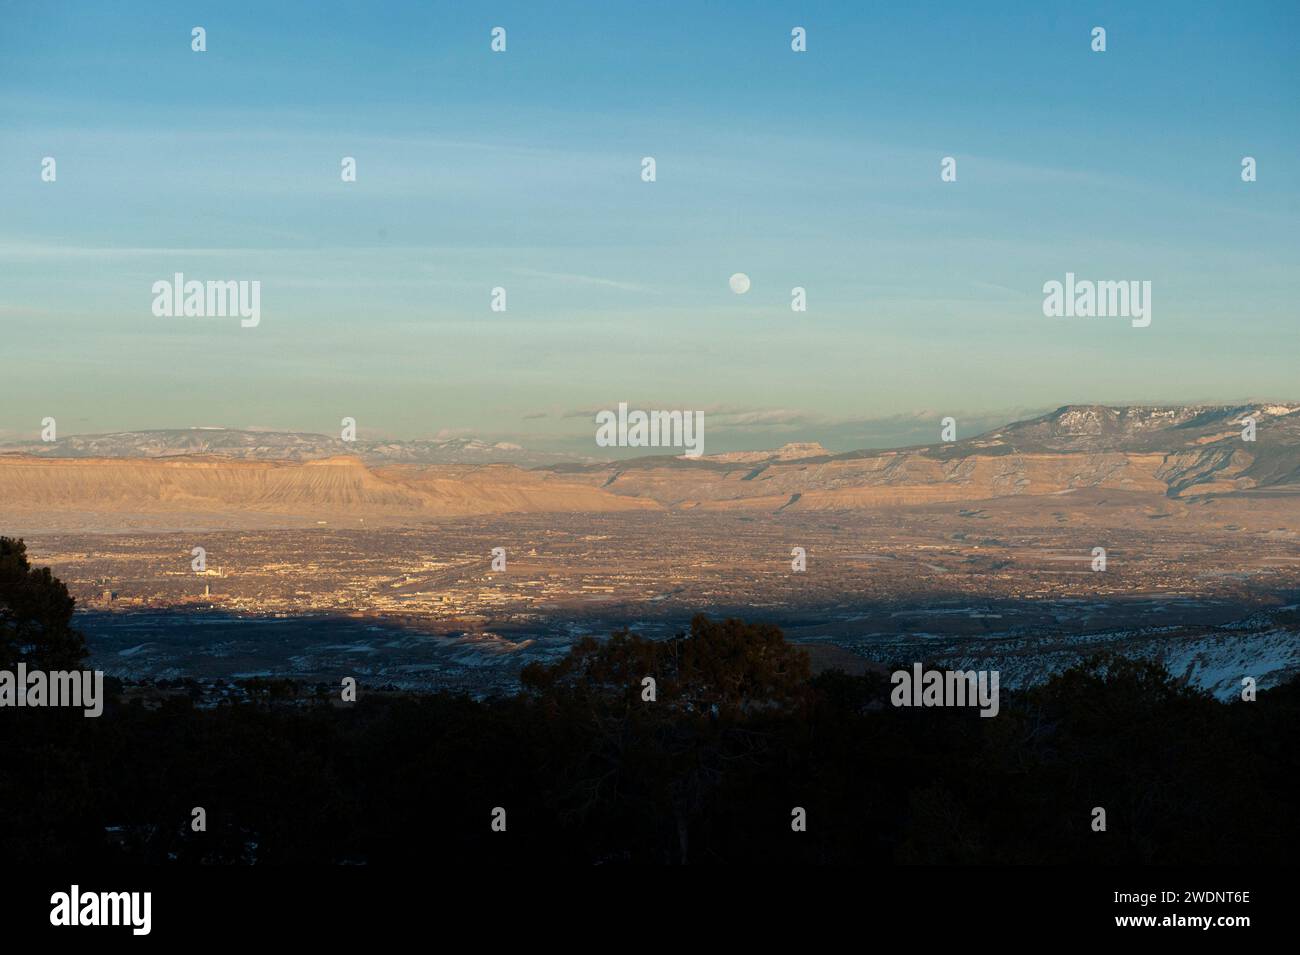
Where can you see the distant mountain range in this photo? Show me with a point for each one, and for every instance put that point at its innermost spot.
(1172, 451)
(1164, 451)
(1136, 428)
(281, 446)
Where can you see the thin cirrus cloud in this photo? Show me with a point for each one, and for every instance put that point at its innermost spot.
(569, 278)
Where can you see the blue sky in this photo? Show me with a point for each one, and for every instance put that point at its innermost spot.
(521, 170)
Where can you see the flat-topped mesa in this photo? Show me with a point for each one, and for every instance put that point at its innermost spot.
(342, 486)
(1161, 452)
(791, 451)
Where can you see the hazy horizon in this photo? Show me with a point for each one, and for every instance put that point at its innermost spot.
(732, 436)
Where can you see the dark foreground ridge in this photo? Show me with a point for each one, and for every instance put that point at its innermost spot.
(580, 767)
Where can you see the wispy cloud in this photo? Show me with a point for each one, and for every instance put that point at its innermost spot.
(571, 278)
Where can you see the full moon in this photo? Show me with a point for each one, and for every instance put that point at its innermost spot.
(739, 283)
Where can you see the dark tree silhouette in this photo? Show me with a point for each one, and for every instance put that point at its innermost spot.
(35, 614)
(590, 770)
